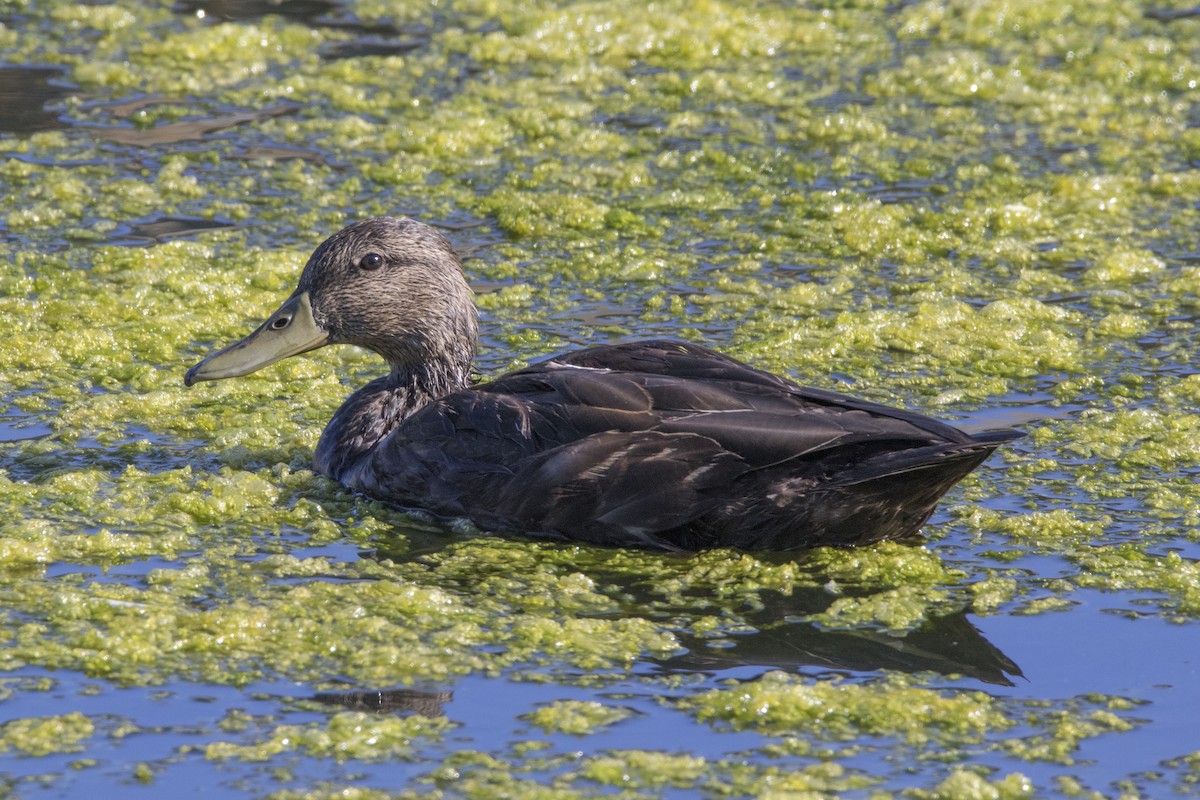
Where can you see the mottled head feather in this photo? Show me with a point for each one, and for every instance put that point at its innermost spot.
(397, 287)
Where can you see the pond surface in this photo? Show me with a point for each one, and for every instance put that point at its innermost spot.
(982, 210)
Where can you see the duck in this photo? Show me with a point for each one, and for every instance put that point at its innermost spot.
(649, 444)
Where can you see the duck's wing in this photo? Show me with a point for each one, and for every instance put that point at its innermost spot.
(676, 387)
(619, 444)
(510, 464)
(721, 374)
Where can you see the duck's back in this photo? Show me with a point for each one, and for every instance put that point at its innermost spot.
(670, 445)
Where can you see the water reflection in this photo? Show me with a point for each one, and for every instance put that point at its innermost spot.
(394, 701)
(162, 229)
(949, 645)
(305, 11)
(778, 633)
(24, 94)
(313, 13)
(372, 45)
(1172, 14)
(1018, 408)
(188, 130)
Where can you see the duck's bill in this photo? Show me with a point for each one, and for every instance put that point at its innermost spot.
(289, 331)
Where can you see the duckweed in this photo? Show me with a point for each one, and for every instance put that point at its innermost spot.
(899, 609)
(1064, 732)
(348, 735)
(1128, 567)
(965, 785)
(39, 736)
(178, 624)
(778, 703)
(577, 717)
(645, 769)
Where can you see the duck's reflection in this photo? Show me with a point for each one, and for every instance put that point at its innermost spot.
(779, 633)
(949, 645)
(395, 701)
(25, 91)
(305, 11)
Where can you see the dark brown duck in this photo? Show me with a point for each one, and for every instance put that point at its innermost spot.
(653, 443)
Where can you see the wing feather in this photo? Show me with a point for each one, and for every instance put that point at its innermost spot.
(666, 444)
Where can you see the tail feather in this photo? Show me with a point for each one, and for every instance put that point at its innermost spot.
(888, 496)
(891, 497)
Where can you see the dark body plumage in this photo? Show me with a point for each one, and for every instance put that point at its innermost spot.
(652, 443)
(670, 445)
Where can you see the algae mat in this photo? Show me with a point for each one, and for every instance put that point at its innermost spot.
(983, 210)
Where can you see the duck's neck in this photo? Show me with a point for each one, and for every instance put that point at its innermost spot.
(375, 410)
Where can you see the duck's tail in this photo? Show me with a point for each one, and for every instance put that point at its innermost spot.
(887, 496)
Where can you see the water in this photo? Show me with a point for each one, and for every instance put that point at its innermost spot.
(1062, 655)
(16, 426)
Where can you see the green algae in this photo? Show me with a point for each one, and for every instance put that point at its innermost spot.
(1130, 567)
(1064, 731)
(918, 716)
(39, 736)
(401, 635)
(535, 772)
(899, 609)
(332, 793)
(777, 703)
(346, 736)
(635, 774)
(645, 769)
(890, 565)
(967, 785)
(577, 717)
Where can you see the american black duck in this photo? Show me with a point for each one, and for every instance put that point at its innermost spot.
(652, 443)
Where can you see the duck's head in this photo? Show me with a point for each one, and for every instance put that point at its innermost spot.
(391, 285)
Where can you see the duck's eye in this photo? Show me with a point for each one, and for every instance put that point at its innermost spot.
(371, 261)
